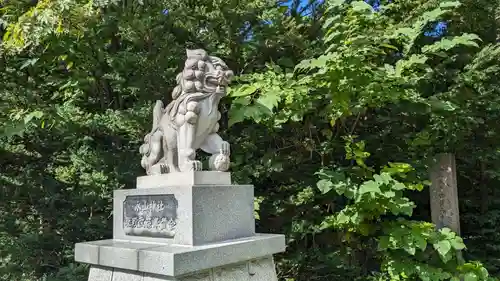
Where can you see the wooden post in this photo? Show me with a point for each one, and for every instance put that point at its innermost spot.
(444, 194)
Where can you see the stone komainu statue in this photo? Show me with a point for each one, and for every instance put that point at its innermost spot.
(190, 121)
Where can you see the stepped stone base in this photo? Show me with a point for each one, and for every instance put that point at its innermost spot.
(238, 259)
(193, 226)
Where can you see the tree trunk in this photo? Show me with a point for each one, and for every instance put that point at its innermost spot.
(444, 194)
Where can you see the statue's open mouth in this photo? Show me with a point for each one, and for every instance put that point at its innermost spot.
(216, 83)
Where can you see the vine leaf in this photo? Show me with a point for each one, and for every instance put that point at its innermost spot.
(443, 247)
(324, 185)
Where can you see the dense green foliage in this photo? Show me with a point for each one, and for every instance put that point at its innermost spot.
(336, 113)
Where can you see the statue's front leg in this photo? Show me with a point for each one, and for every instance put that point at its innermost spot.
(220, 150)
(186, 137)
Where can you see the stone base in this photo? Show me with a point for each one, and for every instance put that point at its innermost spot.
(184, 179)
(177, 260)
(253, 270)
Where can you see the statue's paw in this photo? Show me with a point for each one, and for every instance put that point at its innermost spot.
(197, 166)
(225, 149)
(156, 169)
(221, 163)
(165, 169)
(192, 165)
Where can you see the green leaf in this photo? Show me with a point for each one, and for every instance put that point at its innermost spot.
(399, 186)
(35, 114)
(446, 231)
(450, 4)
(335, 3)
(410, 250)
(457, 243)
(369, 187)
(328, 222)
(470, 276)
(342, 218)
(442, 247)
(283, 9)
(319, 62)
(412, 62)
(269, 99)
(28, 62)
(420, 242)
(10, 130)
(383, 178)
(324, 185)
(241, 101)
(446, 44)
(389, 46)
(243, 91)
(236, 115)
(483, 273)
(328, 22)
(437, 104)
(286, 62)
(256, 206)
(361, 6)
(383, 243)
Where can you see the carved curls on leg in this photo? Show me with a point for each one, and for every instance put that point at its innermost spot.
(187, 131)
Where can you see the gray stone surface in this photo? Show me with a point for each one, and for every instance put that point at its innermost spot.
(184, 178)
(260, 269)
(177, 260)
(205, 213)
(203, 276)
(156, 277)
(121, 254)
(100, 273)
(127, 275)
(232, 272)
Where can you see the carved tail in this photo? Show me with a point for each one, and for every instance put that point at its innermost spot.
(157, 114)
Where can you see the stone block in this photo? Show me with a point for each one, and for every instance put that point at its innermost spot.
(260, 269)
(121, 254)
(232, 272)
(177, 260)
(87, 253)
(156, 277)
(203, 276)
(127, 275)
(100, 273)
(184, 179)
(185, 215)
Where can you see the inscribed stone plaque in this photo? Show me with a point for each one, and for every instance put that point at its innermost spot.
(150, 215)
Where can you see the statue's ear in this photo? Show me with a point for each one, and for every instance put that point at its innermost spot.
(217, 60)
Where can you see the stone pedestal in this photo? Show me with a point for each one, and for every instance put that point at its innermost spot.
(183, 226)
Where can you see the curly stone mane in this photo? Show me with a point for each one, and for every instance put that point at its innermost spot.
(198, 81)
